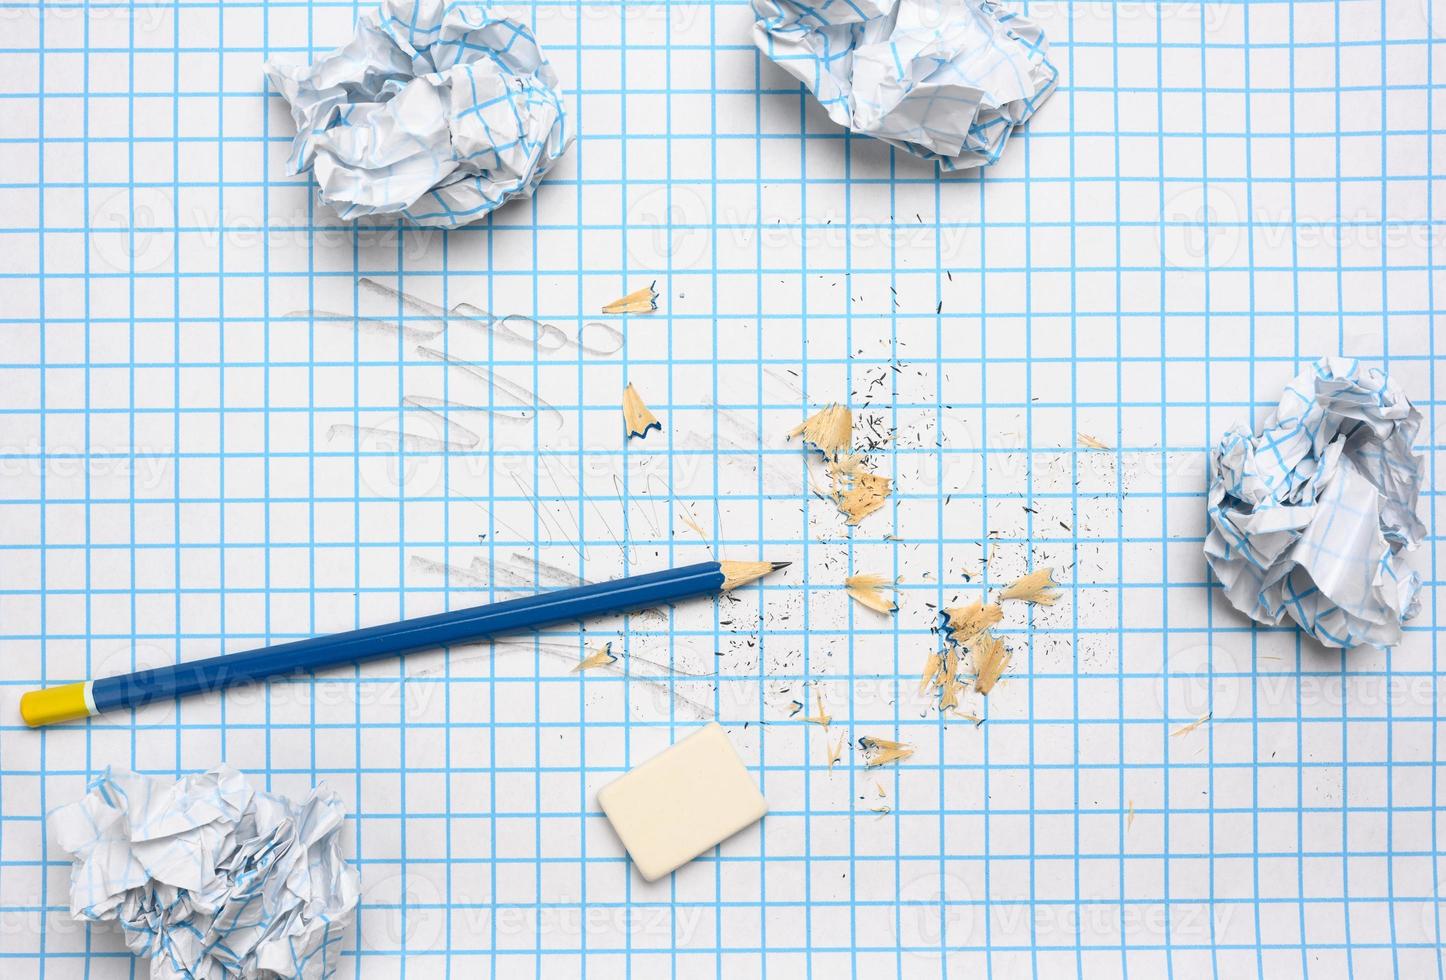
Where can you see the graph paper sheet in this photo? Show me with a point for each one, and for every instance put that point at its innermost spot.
(228, 420)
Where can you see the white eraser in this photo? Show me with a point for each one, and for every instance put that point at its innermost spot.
(681, 802)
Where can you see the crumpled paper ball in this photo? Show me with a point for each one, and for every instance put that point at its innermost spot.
(945, 80)
(438, 112)
(211, 878)
(1309, 518)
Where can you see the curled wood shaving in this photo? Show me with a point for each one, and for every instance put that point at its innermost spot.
(1036, 587)
(643, 300)
(599, 658)
(881, 751)
(868, 590)
(829, 431)
(1187, 729)
(967, 622)
(1090, 442)
(835, 751)
(866, 495)
(990, 656)
(636, 416)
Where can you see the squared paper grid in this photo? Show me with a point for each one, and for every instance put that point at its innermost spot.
(192, 464)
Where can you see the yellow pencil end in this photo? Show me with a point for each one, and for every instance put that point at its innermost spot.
(52, 705)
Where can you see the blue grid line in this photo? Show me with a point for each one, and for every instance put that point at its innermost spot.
(1254, 649)
(1207, 223)
(1164, 521)
(1430, 600)
(1299, 744)
(1074, 490)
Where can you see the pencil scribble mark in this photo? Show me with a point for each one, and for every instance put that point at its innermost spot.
(565, 653)
(547, 337)
(425, 325)
(455, 435)
(524, 401)
(649, 513)
(514, 328)
(517, 572)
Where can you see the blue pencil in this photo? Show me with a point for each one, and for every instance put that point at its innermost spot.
(82, 699)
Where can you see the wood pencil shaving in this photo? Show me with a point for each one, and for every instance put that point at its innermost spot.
(931, 671)
(1090, 442)
(823, 717)
(643, 300)
(881, 751)
(845, 467)
(636, 416)
(990, 657)
(941, 673)
(687, 518)
(1036, 587)
(866, 495)
(835, 751)
(1187, 729)
(967, 622)
(868, 590)
(598, 658)
(855, 491)
(949, 693)
(829, 431)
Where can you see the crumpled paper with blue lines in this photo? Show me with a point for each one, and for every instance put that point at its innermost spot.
(1309, 518)
(439, 112)
(945, 80)
(211, 878)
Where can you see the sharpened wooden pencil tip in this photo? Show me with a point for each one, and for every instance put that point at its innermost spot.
(736, 573)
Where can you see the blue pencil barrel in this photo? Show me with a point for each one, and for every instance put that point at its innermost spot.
(454, 626)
